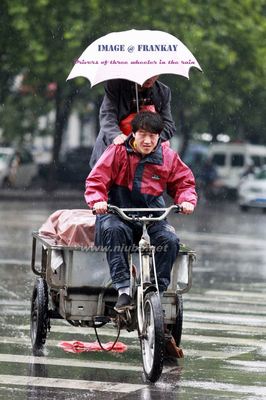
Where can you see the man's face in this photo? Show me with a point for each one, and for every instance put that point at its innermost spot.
(150, 82)
(145, 142)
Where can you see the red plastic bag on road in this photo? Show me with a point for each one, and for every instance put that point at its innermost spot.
(80, 347)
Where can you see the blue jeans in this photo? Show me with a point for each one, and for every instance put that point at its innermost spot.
(117, 236)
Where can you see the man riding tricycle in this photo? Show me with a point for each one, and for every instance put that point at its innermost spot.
(143, 293)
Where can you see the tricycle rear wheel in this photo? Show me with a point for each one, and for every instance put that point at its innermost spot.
(39, 316)
(176, 329)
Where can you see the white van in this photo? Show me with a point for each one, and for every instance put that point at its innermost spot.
(233, 159)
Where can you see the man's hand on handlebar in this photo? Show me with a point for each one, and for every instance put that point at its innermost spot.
(187, 208)
(100, 207)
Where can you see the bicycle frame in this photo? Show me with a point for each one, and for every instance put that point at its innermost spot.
(146, 252)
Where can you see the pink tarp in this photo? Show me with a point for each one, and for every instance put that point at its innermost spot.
(70, 227)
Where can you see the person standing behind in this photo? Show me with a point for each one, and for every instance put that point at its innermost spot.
(119, 107)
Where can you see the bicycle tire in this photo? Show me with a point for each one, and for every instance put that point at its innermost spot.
(39, 316)
(152, 337)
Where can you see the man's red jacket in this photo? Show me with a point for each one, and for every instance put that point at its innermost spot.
(124, 178)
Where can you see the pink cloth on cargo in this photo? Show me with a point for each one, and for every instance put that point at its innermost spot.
(70, 227)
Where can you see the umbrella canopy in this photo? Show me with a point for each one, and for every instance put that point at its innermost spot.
(135, 55)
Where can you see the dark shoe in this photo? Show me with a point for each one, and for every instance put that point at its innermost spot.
(123, 303)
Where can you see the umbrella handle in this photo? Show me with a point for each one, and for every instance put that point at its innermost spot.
(137, 96)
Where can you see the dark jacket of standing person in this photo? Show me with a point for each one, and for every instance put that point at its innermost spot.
(120, 101)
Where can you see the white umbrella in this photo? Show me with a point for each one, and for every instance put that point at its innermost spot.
(135, 55)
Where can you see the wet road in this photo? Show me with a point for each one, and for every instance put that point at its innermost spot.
(224, 335)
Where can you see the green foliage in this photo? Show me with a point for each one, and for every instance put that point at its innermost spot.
(19, 116)
(44, 37)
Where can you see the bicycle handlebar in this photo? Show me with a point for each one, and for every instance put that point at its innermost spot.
(121, 212)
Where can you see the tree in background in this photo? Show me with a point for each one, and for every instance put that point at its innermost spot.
(43, 38)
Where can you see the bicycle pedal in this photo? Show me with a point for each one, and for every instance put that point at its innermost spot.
(146, 284)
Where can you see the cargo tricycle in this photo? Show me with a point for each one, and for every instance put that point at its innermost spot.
(80, 291)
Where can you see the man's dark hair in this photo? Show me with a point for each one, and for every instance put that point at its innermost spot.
(148, 121)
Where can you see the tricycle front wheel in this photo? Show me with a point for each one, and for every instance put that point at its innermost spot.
(39, 316)
(152, 337)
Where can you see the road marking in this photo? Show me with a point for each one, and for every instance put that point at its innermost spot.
(234, 293)
(190, 322)
(24, 340)
(14, 303)
(189, 353)
(70, 384)
(226, 308)
(9, 292)
(249, 345)
(222, 239)
(69, 362)
(259, 366)
(245, 298)
(14, 261)
(226, 318)
(81, 331)
(224, 387)
(237, 341)
(13, 245)
(240, 329)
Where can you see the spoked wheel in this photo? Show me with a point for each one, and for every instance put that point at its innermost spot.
(176, 329)
(39, 316)
(152, 337)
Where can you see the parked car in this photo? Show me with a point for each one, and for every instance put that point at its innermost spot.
(252, 190)
(17, 167)
(232, 160)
